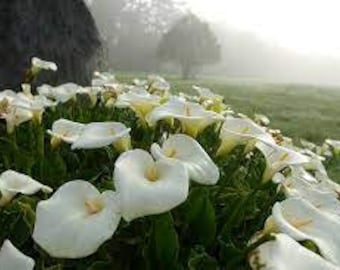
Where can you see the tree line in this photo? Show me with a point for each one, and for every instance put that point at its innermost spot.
(154, 35)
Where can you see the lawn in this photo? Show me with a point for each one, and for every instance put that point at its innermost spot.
(300, 111)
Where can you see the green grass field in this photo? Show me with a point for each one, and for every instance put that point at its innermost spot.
(299, 111)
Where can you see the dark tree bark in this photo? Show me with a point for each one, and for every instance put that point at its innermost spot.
(62, 31)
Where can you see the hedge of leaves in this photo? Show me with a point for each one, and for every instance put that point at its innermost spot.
(132, 176)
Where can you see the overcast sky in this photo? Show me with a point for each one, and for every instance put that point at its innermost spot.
(306, 26)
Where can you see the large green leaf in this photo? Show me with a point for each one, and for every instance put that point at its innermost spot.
(200, 216)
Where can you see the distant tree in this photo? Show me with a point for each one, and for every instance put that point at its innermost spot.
(190, 43)
(131, 30)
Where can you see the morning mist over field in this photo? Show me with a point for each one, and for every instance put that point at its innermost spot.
(271, 41)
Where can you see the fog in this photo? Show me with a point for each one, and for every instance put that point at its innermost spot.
(132, 30)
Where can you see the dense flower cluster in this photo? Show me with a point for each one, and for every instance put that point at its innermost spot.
(79, 217)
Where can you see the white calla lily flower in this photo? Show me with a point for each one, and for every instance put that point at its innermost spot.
(101, 134)
(192, 116)
(139, 100)
(158, 85)
(139, 82)
(66, 131)
(13, 183)
(12, 259)
(191, 154)
(17, 116)
(61, 93)
(34, 108)
(303, 185)
(334, 144)
(9, 95)
(261, 120)
(206, 93)
(76, 220)
(103, 78)
(285, 253)
(39, 64)
(278, 157)
(147, 187)
(316, 161)
(240, 131)
(325, 183)
(17, 108)
(301, 220)
(210, 100)
(308, 145)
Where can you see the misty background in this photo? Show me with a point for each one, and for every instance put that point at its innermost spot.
(132, 30)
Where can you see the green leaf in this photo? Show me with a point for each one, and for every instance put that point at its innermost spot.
(17, 221)
(162, 250)
(201, 217)
(201, 261)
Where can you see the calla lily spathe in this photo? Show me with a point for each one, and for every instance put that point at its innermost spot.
(192, 116)
(64, 130)
(158, 85)
(147, 187)
(139, 100)
(278, 158)
(76, 220)
(285, 253)
(210, 100)
(12, 259)
(16, 116)
(61, 94)
(39, 64)
(206, 93)
(101, 134)
(261, 119)
(334, 145)
(301, 220)
(241, 131)
(191, 154)
(13, 183)
(300, 184)
(103, 79)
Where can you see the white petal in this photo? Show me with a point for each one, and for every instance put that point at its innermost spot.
(278, 157)
(12, 259)
(193, 117)
(140, 101)
(101, 134)
(190, 153)
(65, 228)
(302, 221)
(42, 64)
(61, 93)
(103, 78)
(302, 184)
(66, 130)
(243, 129)
(16, 117)
(333, 143)
(140, 196)
(284, 253)
(12, 183)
